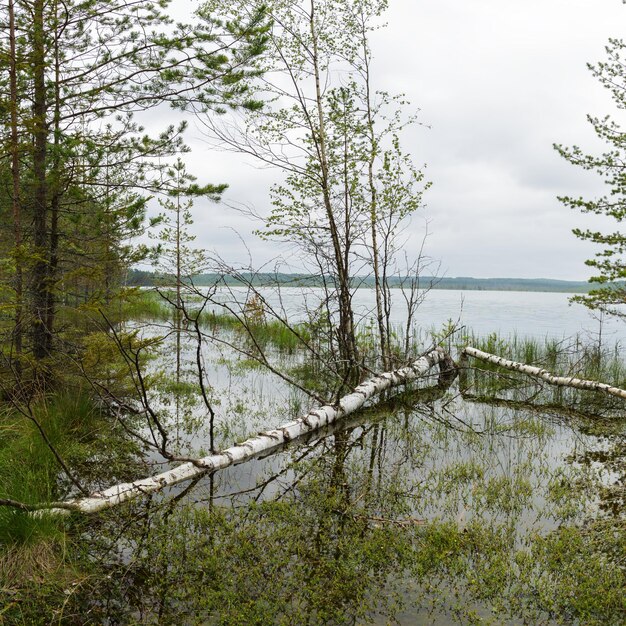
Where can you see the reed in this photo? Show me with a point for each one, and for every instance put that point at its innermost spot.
(29, 471)
(566, 357)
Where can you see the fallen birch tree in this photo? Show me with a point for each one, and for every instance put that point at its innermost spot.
(548, 377)
(254, 446)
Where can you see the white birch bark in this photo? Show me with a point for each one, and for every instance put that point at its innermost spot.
(254, 446)
(551, 379)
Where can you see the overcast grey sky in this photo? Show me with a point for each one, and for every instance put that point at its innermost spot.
(497, 82)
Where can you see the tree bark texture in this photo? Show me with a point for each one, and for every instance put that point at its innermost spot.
(40, 233)
(15, 176)
(551, 379)
(263, 442)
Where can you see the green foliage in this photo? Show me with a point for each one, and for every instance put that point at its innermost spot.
(579, 572)
(173, 255)
(29, 471)
(91, 69)
(609, 262)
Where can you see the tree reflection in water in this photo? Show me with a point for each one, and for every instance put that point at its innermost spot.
(443, 511)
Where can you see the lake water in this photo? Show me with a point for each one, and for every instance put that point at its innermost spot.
(532, 314)
(445, 505)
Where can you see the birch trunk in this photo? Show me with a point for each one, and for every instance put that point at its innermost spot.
(551, 379)
(263, 442)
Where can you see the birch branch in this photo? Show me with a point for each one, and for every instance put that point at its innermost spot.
(551, 379)
(263, 442)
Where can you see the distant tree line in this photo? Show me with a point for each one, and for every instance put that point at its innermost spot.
(148, 278)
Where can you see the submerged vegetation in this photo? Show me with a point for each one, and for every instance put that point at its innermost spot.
(491, 498)
(423, 507)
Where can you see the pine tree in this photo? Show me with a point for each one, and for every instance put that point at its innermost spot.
(609, 262)
(82, 73)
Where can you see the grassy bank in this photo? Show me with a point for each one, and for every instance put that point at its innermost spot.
(30, 472)
(33, 546)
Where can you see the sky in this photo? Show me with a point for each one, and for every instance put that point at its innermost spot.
(497, 83)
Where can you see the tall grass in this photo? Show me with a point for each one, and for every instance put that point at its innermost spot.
(145, 304)
(285, 338)
(29, 472)
(566, 357)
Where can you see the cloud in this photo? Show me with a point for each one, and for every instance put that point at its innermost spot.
(498, 83)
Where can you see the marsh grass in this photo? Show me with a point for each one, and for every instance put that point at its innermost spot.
(351, 541)
(21, 564)
(142, 304)
(28, 469)
(578, 572)
(568, 357)
(351, 527)
(265, 332)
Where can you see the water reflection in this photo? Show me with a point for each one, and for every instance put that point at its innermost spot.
(426, 509)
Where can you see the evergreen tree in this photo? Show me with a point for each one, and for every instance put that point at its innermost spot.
(609, 262)
(82, 73)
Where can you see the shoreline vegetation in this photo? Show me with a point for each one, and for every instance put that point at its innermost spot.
(141, 278)
(474, 555)
(490, 490)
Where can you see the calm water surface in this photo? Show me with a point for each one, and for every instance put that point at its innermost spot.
(361, 515)
(532, 314)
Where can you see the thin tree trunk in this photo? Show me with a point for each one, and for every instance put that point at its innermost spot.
(40, 234)
(56, 168)
(551, 379)
(382, 321)
(55, 202)
(179, 303)
(16, 203)
(264, 442)
(347, 339)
